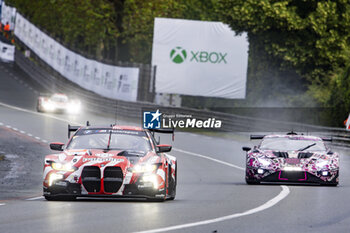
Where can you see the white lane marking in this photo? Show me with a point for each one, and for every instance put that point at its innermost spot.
(283, 194)
(36, 113)
(34, 198)
(23, 132)
(2, 203)
(1, 123)
(209, 158)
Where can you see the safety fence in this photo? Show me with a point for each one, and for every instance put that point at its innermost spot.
(54, 82)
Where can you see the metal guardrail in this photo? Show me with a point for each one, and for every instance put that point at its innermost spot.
(54, 82)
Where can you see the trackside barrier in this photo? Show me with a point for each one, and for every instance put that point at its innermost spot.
(7, 52)
(53, 82)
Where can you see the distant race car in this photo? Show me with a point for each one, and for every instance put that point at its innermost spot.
(114, 161)
(58, 103)
(291, 158)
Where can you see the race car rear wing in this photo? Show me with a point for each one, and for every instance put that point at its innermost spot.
(169, 131)
(72, 128)
(255, 137)
(327, 139)
(166, 131)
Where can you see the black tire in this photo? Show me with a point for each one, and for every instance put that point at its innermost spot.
(173, 189)
(252, 182)
(331, 184)
(49, 198)
(38, 109)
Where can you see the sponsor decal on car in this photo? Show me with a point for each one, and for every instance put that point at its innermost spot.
(103, 160)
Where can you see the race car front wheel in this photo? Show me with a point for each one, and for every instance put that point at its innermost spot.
(333, 182)
(173, 184)
(38, 108)
(251, 182)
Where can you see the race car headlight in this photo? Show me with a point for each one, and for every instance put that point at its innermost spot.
(74, 107)
(62, 167)
(152, 179)
(144, 168)
(264, 162)
(49, 106)
(321, 163)
(53, 177)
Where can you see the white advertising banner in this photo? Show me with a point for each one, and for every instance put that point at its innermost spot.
(8, 15)
(109, 81)
(199, 58)
(7, 52)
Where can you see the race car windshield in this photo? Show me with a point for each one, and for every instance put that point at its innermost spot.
(290, 144)
(59, 98)
(118, 142)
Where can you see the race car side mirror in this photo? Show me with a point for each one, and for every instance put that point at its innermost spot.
(57, 146)
(246, 148)
(163, 148)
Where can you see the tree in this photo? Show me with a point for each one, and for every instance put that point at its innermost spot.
(88, 27)
(309, 36)
(138, 22)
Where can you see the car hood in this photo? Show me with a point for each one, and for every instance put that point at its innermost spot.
(97, 157)
(292, 154)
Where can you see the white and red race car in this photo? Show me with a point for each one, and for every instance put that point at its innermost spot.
(58, 103)
(114, 161)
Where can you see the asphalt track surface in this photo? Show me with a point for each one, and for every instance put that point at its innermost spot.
(211, 194)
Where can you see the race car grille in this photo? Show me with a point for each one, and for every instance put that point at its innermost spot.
(304, 155)
(281, 154)
(91, 178)
(293, 176)
(113, 179)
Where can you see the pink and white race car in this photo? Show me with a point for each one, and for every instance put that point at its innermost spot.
(112, 161)
(291, 158)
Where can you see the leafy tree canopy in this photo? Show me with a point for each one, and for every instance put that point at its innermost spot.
(312, 36)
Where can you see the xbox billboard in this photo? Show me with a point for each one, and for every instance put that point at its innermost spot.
(199, 58)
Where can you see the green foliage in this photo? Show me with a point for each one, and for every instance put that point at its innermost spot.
(138, 20)
(87, 26)
(310, 36)
(339, 97)
(113, 29)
